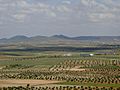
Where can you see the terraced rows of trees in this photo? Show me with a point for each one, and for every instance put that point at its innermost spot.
(59, 88)
(82, 71)
(86, 63)
(99, 72)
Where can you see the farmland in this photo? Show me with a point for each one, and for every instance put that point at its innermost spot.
(60, 68)
(59, 44)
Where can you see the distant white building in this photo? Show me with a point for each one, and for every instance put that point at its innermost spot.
(91, 54)
(68, 54)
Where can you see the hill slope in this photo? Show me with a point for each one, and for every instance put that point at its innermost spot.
(58, 39)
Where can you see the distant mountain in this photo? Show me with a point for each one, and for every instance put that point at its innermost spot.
(19, 37)
(57, 39)
(61, 36)
(88, 38)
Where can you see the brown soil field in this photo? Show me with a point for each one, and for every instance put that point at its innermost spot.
(3, 57)
(13, 82)
(73, 69)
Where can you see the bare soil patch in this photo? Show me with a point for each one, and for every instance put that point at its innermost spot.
(74, 69)
(13, 82)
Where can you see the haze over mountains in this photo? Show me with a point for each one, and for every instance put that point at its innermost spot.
(56, 38)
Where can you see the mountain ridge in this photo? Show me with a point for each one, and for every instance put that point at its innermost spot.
(23, 38)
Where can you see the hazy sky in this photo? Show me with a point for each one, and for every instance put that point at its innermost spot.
(68, 17)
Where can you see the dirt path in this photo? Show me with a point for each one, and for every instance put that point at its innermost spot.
(13, 82)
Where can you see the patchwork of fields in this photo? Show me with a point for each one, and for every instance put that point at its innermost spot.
(60, 70)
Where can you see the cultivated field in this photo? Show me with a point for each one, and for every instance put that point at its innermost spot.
(68, 69)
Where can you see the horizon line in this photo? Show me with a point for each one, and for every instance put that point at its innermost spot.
(30, 36)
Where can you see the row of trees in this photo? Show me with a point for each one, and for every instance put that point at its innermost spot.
(28, 87)
(95, 71)
(69, 76)
(68, 64)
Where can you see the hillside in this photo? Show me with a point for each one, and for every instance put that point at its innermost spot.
(58, 39)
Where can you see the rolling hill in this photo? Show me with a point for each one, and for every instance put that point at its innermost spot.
(57, 39)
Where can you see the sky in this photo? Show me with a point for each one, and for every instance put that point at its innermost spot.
(67, 17)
